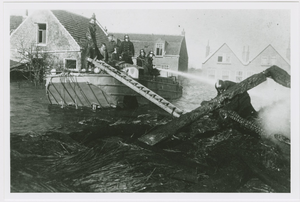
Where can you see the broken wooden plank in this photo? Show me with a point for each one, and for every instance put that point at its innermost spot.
(172, 127)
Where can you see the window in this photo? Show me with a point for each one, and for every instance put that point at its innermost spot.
(70, 63)
(264, 60)
(211, 74)
(239, 76)
(220, 58)
(225, 75)
(165, 66)
(159, 49)
(227, 58)
(273, 60)
(224, 58)
(42, 33)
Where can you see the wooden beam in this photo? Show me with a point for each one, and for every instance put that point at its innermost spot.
(163, 132)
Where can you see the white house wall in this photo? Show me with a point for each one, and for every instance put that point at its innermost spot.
(236, 66)
(257, 66)
(58, 40)
(221, 68)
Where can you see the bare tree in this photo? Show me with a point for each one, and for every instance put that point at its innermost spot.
(37, 61)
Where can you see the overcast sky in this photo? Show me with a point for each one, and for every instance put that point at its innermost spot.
(255, 28)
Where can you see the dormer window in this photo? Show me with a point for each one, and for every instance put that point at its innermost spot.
(159, 49)
(42, 34)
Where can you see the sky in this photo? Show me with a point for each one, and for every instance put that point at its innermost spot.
(255, 28)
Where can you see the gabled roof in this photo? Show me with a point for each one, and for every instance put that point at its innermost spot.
(265, 49)
(77, 26)
(147, 42)
(224, 44)
(15, 21)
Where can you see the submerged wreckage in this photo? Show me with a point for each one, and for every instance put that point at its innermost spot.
(277, 74)
(229, 143)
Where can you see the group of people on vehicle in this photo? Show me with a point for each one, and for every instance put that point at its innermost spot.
(124, 51)
(115, 51)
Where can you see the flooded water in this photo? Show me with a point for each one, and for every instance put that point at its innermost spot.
(39, 129)
(56, 149)
(30, 110)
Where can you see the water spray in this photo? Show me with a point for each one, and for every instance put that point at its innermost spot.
(191, 76)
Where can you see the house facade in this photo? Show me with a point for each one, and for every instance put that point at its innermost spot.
(225, 65)
(266, 58)
(170, 50)
(60, 33)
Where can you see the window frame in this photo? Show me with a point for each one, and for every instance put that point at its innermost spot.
(267, 60)
(162, 49)
(224, 57)
(271, 60)
(38, 33)
(65, 62)
(209, 73)
(240, 76)
(225, 75)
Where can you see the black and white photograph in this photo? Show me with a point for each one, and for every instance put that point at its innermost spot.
(151, 98)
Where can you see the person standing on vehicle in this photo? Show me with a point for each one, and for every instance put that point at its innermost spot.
(103, 52)
(90, 48)
(114, 57)
(140, 60)
(127, 50)
(111, 45)
(149, 65)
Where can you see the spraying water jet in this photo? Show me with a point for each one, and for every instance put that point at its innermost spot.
(190, 76)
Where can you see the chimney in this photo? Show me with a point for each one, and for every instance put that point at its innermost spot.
(25, 16)
(207, 49)
(183, 33)
(244, 54)
(247, 55)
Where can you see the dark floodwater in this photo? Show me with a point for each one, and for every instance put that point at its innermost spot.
(30, 111)
(56, 149)
(42, 136)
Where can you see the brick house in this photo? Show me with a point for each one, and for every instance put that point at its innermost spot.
(57, 32)
(170, 50)
(225, 65)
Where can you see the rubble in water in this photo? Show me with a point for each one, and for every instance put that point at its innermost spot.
(105, 156)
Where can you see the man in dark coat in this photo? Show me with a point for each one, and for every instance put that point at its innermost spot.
(148, 68)
(111, 45)
(114, 57)
(140, 60)
(241, 103)
(90, 49)
(127, 50)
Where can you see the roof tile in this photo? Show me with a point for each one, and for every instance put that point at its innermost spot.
(77, 26)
